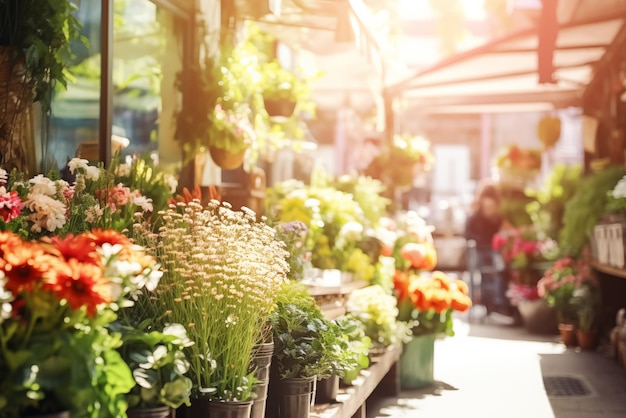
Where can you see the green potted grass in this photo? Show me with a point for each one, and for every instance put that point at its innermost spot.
(223, 270)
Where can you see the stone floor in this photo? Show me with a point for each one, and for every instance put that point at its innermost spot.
(497, 370)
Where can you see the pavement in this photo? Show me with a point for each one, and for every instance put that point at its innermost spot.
(496, 370)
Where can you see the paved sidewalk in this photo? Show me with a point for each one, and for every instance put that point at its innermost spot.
(495, 370)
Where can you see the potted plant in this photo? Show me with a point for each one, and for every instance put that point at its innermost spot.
(159, 366)
(586, 300)
(223, 270)
(426, 301)
(35, 39)
(56, 355)
(352, 330)
(282, 89)
(307, 347)
(557, 287)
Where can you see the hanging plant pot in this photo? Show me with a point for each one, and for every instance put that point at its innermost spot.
(279, 107)
(154, 412)
(226, 159)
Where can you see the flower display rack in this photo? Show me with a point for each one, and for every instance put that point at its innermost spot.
(383, 373)
(332, 299)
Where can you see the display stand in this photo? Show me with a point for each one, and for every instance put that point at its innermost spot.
(383, 375)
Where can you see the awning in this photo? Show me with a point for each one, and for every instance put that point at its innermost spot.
(502, 75)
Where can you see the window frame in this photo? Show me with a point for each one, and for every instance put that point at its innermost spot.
(184, 12)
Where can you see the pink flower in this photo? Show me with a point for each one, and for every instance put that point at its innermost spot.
(10, 205)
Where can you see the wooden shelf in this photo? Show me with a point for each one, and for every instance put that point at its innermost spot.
(351, 400)
(613, 271)
(342, 289)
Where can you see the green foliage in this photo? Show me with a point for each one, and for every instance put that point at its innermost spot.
(353, 332)
(368, 193)
(587, 301)
(306, 344)
(584, 209)
(513, 204)
(75, 370)
(546, 212)
(41, 33)
(158, 363)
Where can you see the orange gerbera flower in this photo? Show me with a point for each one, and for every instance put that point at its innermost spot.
(81, 248)
(27, 266)
(461, 286)
(440, 279)
(401, 282)
(83, 285)
(460, 302)
(108, 236)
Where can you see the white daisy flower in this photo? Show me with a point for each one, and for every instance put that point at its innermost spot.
(75, 163)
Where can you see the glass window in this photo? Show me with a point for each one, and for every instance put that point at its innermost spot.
(147, 55)
(76, 111)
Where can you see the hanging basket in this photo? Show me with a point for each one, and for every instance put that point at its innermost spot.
(226, 159)
(279, 107)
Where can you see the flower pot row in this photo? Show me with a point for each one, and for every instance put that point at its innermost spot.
(576, 337)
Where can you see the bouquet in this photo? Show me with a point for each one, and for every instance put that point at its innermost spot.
(428, 300)
(560, 282)
(89, 197)
(58, 296)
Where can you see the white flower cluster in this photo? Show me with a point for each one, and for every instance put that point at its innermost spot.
(619, 191)
(44, 201)
(128, 276)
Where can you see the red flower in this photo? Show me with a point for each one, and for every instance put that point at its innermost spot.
(81, 248)
(10, 205)
(83, 285)
(26, 266)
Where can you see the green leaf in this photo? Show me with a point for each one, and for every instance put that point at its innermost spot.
(146, 378)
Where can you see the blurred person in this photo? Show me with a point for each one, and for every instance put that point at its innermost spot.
(485, 221)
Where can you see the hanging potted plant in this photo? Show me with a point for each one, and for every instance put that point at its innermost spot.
(230, 135)
(282, 89)
(35, 39)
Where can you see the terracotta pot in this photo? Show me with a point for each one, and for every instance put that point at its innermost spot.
(226, 159)
(279, 107)
(568, 335)
(587, 339)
